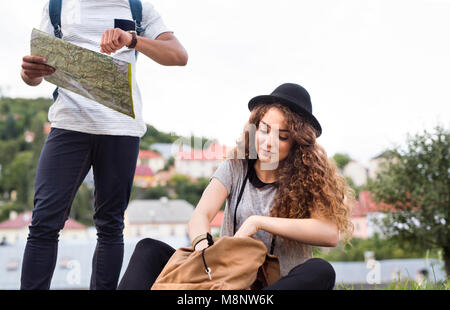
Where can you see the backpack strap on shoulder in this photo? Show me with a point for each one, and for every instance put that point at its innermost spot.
(136, 13)
(54, 9)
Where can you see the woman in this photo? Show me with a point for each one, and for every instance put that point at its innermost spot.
(294, 198)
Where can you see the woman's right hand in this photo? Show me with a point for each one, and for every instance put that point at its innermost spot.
(34, 68)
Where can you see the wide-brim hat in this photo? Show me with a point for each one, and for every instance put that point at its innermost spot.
(294, 97)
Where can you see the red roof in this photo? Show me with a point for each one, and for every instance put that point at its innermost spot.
(24, 220)
(148, 154)
(365, 205)
(217, 220)
(214, 152)
(143, 170)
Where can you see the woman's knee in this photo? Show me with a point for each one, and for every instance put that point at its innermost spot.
(149, 246)
(323, 268)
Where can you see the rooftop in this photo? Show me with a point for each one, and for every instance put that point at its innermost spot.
(23, 220)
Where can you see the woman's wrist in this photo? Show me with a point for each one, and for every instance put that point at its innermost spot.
(198, 238)
(257, 221)
(201, 245)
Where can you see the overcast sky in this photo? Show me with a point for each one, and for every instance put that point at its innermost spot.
(375, 70)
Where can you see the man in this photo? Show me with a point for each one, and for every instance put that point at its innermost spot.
(85, 133)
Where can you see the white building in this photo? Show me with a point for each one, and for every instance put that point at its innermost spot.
(356, 171)
(157, 218)
(15, 229)
(200, 163)
(151, 159)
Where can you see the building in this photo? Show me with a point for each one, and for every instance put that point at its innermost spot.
(143, 176)
(16, 228)
(163, 177)
(216, 224)
(151, 159)
(29, 136)
(365, 214)
(157, 218)
(376, 164)
(356, 171)
(200, 163)
(168, 150)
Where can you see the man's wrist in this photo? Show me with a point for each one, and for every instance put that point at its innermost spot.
(29, 81)
(133, 39)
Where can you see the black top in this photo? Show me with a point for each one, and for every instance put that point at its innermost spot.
(253, 178)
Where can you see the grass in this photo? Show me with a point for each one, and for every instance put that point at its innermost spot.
(406, 284)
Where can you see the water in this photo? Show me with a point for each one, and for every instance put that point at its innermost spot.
(74, 265)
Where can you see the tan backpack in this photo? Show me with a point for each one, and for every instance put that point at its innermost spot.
(228, 263)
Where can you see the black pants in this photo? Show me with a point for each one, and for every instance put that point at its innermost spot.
(150, 256)
(65, 161)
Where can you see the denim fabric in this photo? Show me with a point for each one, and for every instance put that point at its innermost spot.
(65, 161)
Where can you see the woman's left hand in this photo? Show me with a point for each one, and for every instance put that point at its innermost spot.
(249, 227)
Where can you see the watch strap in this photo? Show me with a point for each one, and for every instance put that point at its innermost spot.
(133, 39)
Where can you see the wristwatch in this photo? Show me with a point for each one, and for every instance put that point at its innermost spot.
(133, 39)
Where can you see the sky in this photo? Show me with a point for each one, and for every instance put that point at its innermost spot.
(376, 70)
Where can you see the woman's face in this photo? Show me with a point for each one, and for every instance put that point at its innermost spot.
(273, 141)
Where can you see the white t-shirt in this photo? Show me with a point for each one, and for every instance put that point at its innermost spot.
(83, 23)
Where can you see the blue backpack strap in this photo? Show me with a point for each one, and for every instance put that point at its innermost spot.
(136, 13)
(54, 10)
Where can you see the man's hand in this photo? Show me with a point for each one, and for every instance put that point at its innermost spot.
(34, 68)
(114, 39)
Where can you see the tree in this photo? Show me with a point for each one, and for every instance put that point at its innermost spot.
(11, 130)
(188, 190)
(16, 176)
(341, 160)
(170, 163)
(83, 205)
(416, 183)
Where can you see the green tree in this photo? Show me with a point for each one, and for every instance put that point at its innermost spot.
(383, 249)
(15, 176)
(11, 129)
(341, 160)
(155, 192)
(416, 182)
(170, 162)
(83, 205)
(188, 190)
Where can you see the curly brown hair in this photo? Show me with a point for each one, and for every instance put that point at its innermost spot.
(308, 181)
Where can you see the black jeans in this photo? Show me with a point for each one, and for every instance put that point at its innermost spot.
(150, 256)
(65, 161)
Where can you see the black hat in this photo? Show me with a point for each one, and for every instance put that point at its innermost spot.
(293, 96)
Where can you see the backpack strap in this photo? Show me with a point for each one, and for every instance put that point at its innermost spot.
(249, 167)
(54, 10)
(239, 197)
(136, 13)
